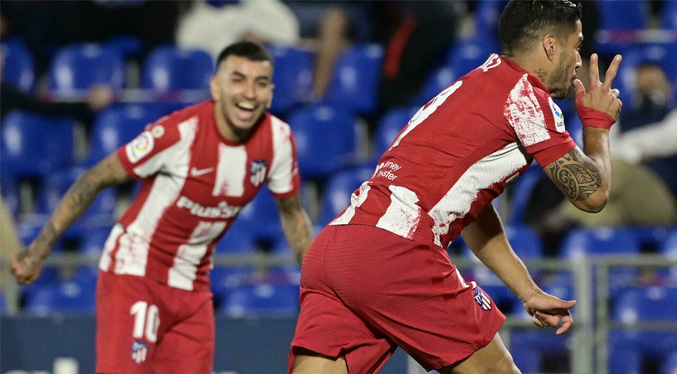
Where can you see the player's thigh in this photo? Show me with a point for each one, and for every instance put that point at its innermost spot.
(493, 358)
(307, 362)
(188, 347)
(127, 329)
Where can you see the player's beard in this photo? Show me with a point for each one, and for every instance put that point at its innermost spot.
(561, 79)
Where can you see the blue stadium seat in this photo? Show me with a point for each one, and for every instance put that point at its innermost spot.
(33, 145)
(264, 299)
(93, 243)
(669, 250)
(170, 68)
(79, 66)
(487, 13)
(389, 126)
(326, 139)
(356, 78)
(336, 194)
(66, 297)
(623, 14)
(669, 15)
(520, 193)
(18, 66)
(669, 365)
(528, 359)
(292, 77)
(117, 126)
(237, 240)
(129, 46)
(259, 219)
(463, 57)
(645, 304)
(625, 360)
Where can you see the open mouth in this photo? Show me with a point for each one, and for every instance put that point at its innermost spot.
(246, 106)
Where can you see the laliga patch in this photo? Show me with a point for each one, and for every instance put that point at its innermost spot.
(557, 115)
(157, 131)
(139, 351)
(140, 147)
(482, 299)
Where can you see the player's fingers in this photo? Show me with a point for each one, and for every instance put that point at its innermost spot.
(611, 72)
(578, 86)
(567, 322)
(538, 322)
(594, 69)
(547, 319)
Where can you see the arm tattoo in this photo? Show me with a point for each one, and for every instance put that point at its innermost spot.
(575, 177)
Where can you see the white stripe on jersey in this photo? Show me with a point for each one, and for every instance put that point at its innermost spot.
(280, 178)
(187, 259)
(108, 247)
(132, 255)
(356, 199)
(525, 114)
(402, 215)
(231, 172)
(457, 202)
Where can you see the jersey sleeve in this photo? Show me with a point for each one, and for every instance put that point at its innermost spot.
(284, 180)
(150, 152)
(537, 122)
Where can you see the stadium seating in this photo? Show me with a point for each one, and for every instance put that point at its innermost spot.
(259, 220)
(79, 66)
(326, 139)
(263, 299)
(520, 193)
(339, 188)
(292, 77)
(487, 13)
(389, 126)
(169, 68)
(67, 297)
(669, 15)
(645, 304)
(623, 15)
(117, 126)
(669, 365)
(356, 78)
(18, 66)
(669, 249)
(34, 145)
(237, 241)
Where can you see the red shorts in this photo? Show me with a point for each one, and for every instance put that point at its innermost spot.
(365, 291)
(147, 327)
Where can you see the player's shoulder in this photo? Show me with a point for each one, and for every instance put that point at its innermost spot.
(172, 121)
(277, 125)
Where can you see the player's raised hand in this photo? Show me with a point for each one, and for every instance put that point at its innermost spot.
(600, 96)
(550, 311)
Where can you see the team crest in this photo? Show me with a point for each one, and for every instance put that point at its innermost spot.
(257, 172)
(482, 298)
(139, 351)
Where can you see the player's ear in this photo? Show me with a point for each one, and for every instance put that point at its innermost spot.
(214, 87)
(550, 46)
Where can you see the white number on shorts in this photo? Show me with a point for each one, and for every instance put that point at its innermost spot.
(147, 317)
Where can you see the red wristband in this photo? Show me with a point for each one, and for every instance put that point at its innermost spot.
(592, 117)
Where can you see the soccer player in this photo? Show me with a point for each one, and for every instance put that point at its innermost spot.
(378, 276)
(199, 167)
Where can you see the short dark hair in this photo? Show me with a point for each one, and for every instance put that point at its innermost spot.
(250, 50)
(524, 21)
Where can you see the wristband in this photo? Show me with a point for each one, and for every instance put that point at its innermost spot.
(592, 117)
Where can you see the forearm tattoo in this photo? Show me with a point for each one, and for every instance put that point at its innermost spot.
(575, 177)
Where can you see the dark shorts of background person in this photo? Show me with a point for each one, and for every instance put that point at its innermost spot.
(365, 291)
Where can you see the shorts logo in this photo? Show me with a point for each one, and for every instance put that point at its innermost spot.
(557, 115)
(139, 351)
(257, 172)
(140, 147)
(482, 299)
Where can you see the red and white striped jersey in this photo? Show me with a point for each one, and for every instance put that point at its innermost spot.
(458, 152)
(195, 182)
